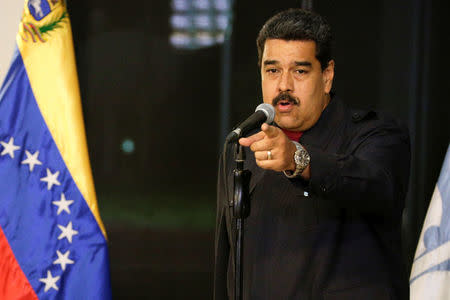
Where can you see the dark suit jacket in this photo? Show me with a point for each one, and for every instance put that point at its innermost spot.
(334, 237)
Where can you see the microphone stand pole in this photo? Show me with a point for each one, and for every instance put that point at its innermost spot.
(241, 210)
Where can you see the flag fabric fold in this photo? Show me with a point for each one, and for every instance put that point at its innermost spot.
(430, 274)
(52, 240)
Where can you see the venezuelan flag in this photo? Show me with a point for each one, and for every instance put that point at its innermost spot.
(52, 240)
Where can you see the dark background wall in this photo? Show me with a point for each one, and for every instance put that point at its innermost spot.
(158, 202)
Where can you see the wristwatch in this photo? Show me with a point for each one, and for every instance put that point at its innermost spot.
(301, 159)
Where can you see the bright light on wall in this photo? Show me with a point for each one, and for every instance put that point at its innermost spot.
(199, 23)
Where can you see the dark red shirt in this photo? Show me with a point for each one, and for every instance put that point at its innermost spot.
(293, 135)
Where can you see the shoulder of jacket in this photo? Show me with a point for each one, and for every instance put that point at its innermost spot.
(359, 115)
(367, 120)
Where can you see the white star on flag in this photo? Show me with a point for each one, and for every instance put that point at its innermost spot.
(63, 204)
(9, 147)
(50, 281)
(67, 232)
(32, 160)
(51, 179)
(63, 259)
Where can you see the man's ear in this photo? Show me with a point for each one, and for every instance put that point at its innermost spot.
(328, 76)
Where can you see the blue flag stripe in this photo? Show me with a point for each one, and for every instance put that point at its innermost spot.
(28, 215)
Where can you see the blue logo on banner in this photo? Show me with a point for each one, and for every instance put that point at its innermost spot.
(436, 236)
(39, 8)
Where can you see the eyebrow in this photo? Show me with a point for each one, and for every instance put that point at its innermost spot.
(297, 63)
(270, 62)
(303, 63)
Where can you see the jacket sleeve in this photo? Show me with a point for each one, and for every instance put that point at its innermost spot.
(222, 246)
(372, 177)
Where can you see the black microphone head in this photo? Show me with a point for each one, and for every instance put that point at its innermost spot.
(268, 110)
(264, 113)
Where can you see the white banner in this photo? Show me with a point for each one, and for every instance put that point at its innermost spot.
(10, 13)
(430, 274)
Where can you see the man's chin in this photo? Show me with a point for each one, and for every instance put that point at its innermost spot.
(288, 123)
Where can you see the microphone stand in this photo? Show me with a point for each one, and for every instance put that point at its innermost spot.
(241, 210)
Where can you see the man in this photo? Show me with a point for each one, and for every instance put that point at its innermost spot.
(327, 187)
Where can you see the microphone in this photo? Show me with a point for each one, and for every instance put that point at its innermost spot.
(264, 113)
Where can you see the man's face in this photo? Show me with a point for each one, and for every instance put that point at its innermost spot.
(294, 83)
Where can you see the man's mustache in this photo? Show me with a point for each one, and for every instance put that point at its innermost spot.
(283, 96)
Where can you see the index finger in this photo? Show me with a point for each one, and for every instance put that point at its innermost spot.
(248, 141)
(269, 130)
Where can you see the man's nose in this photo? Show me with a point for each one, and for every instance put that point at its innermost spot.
(286, 83)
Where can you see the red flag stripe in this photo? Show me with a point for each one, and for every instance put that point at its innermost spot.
(13, 282)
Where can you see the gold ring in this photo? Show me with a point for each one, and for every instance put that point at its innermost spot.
(269, 155)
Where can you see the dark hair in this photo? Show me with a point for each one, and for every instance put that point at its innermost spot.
(298, 24)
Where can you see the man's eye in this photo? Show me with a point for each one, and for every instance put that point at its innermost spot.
(300, 71)
(272, 70)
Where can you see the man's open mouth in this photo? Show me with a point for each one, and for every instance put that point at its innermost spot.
(285, 102)
(284, 99)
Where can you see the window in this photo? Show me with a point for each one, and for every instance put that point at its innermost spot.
(199, 23)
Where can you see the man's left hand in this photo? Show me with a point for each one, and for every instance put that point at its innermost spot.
(272, 139)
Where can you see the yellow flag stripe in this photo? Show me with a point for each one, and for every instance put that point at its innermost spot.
(51, 69)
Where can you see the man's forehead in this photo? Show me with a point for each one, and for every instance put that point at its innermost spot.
(296, 52)
(280, 44)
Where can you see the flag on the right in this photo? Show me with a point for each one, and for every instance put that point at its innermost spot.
(430, 274)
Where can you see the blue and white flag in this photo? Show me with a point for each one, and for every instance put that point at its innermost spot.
(430, 274)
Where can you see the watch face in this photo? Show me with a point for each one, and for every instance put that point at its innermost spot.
(297, 157)
(301, 158)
